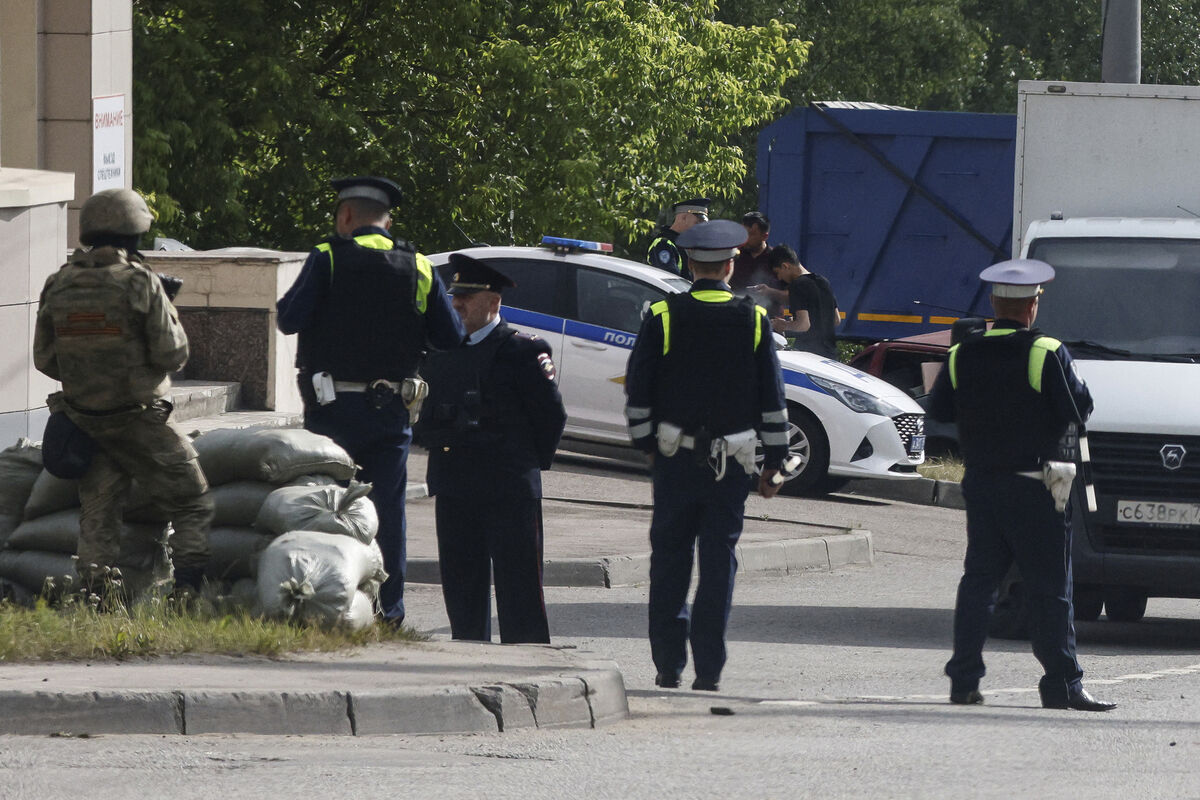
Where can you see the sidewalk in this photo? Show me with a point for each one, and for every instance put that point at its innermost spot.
(597, 537)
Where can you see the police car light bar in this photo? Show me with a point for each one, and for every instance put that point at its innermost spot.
(577, 244)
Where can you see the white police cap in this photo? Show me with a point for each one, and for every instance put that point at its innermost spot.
(713, 241)
(1020, 277)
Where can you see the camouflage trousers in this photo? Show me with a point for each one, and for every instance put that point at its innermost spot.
(140, 445)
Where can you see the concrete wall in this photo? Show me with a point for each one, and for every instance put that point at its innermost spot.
(33, 228)
(227, 306)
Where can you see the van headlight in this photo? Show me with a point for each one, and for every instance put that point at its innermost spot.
(855, 399)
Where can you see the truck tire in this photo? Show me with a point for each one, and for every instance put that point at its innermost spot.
(1088, 604)
(806, 438)
(1124, 605)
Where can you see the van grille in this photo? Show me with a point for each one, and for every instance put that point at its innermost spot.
(1129, 466)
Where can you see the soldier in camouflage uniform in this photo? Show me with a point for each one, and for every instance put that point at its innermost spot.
(108, 331)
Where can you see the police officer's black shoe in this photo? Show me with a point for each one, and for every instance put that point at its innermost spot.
(667, 680)
(971, 698)
(1077, 701)
(704, 685)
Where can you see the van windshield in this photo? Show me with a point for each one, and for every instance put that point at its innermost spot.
(1136, 295)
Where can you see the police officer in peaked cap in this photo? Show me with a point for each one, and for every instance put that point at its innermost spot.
(698, 406)
(492, 424)
(664, 252)
(1013, 391)
(367, 308)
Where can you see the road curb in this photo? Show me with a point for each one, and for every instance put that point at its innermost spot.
(784, 556)
(587, 699)
(922, 491)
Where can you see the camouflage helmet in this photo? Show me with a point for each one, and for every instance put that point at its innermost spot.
(114, 211)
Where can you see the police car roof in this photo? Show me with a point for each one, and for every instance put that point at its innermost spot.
(553, 256)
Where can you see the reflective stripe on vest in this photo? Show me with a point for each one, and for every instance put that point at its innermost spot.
(376, 241)
(660, 310)
(1037, 357)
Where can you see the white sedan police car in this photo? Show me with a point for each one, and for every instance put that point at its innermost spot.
(589, 306)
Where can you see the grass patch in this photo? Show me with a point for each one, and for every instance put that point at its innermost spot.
(942, 468)
(161, 627)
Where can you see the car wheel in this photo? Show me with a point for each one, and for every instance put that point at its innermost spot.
(806, 439)
(1124, 605)
(1088, 604)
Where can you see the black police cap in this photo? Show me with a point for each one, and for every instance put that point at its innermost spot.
(381, 190)
(472, 275)
(695, 205)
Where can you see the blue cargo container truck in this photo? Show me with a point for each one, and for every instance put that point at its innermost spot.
(899, 209)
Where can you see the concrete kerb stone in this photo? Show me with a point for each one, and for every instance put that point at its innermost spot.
(454, 709)
(508, 704)
(267, 712)
(558, 703)
(606, 696)
(46, 713)
(922, 491)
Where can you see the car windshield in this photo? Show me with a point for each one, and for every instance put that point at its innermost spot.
(1122, 296)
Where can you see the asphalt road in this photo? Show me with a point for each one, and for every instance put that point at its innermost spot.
(833, 689)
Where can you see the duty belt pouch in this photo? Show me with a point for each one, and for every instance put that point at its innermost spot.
(1058, 477)
(669, 437)
(742, 447)
(413, 392)
(322, 383)
(380, 394)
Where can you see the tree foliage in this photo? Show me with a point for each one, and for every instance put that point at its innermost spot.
(505, 120)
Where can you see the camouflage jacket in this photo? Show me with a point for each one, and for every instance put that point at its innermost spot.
(107, 331)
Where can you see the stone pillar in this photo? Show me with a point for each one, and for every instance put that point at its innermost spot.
(33, 228)
(87, 53)
(19, 84)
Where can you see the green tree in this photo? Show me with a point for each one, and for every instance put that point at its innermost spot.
(578, 118)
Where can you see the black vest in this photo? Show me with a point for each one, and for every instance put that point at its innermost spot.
(1003, 422)
(464, 407)
(708, 378)
(369, 325)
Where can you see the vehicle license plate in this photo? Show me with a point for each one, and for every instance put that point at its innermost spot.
(1149, 513)
(916, 444)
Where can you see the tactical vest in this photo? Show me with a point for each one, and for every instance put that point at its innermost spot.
(1005, 421)
(372, 323)
(708, 376)
(463, 407)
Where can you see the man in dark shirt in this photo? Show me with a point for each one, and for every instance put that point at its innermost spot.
(809, 298)
(751, 265)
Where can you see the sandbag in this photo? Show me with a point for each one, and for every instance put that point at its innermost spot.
(50, 494)
(329, 509)
(234, 552)
(274, 455)
(236, 504)
(59, 533)
(312, 576)
(31, 568)
(20, 465)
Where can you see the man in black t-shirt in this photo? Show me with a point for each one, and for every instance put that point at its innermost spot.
(810, 299)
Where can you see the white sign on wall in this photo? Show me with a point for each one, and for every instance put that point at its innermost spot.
(108, 143)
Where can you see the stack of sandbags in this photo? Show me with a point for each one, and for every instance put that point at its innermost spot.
(325, 567)
(42, 547)
(326, 578)
(20, 466)
(244, 466)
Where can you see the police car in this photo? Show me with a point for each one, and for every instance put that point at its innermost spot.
(589, 306)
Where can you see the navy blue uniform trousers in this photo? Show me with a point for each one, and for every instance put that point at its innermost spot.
(481, 540)
(693, 511)
(1011, 517)
(378, 440)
